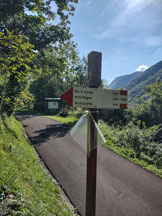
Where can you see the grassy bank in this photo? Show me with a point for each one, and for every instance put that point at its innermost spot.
(118, 140)
(69, 120)
(25, 187)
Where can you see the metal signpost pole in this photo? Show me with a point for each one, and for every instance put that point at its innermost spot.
(94, 75)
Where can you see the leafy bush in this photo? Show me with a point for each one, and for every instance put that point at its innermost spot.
(116, 117)
(134, 141)
(141, 140)
(148, 108)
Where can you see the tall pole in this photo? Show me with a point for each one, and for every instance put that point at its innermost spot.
(94, 76)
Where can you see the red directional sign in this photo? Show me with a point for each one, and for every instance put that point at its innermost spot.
(68, 97)
(96, 98)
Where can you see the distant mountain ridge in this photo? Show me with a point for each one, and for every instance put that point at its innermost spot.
(149, 76)
(121, 81)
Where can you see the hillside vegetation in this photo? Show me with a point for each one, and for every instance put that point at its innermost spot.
(136, 144)
(137, 85)
(25, 187)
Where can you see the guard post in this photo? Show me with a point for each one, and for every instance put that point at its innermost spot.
(94, 76)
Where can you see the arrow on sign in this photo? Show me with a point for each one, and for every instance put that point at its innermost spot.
(68, 97)
(96, 98)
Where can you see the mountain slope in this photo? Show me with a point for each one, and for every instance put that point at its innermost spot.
(123, 80)
(136, 86)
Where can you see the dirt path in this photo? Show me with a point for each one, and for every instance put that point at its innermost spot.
(123, 189)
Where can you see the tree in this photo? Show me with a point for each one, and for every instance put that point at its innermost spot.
(148, 108)
(154, 92)
(32, 34)
(81, 73)
(60, 71)
(16, 69)
(35, 18)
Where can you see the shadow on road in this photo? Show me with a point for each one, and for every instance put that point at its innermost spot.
(53, 130)
(20, 116)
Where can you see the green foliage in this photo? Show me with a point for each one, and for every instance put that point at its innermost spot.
(50, 88)
(115, 116)
(104, 84)
(135, 144)
(77, 112)
(35, 22)
(141, 140)
(25, 187)
(149, 109)
(154, 91)
(16, 69)
(31, 18)
(80, 77)
(60, 71)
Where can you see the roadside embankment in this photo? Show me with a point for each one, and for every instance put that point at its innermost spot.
(25, 187)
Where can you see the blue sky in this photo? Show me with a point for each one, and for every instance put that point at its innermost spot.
(127, 32)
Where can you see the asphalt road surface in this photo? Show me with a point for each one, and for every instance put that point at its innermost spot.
(123, 188)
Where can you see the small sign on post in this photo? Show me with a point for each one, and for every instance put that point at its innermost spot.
(52, 104)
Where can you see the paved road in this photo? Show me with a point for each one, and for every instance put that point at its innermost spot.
(123, 189)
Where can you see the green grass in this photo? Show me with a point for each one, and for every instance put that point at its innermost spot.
(25, 187)
(69, 120)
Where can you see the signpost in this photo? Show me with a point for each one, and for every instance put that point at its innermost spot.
(94, 76)
(94, 98)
